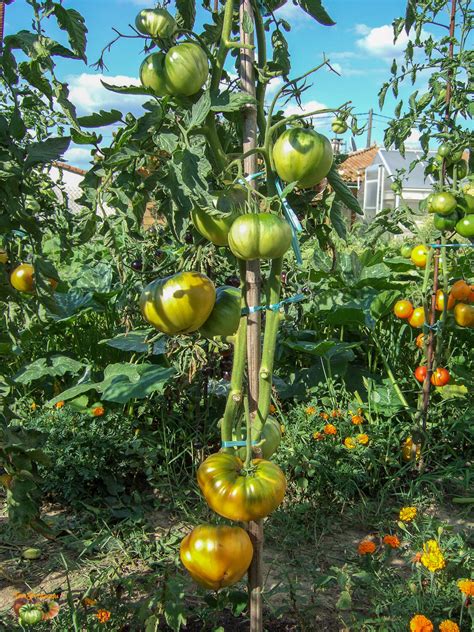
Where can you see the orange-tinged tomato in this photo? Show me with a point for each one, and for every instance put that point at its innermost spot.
(418, 317)
(464, 315)
(460, 290)
(420, 373)
(180, 303)
(440, 301)
(239, 495)
(403, 309)
(216, 556)
(420, 340)
(419, 255)
(440, 377)
(470, 298)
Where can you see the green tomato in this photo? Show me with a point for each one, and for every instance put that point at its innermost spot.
(469, 201)
(302, 155)
(465, 226)
(461, 169)
(186, 69)
(271, 433)
(259, 236)
(443, 203)
(445, 222)
(214, 228)
(155, 23)
(339, 126)
(30, 614)
(405, 251)
(225, 316)
(152, 74)
(31, 554)
(429, 202)
(444, 150)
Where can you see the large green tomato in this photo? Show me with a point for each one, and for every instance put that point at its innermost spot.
(225, 316)
(271, 434)
(445, 222)
(186, 69)
(339, 126)
(216, 556)
(259, 236)
(155, 23)
(302, 155)
(214, 228)
(444, 150)
(239, 495)
(465, 226)
(178, 304)
(30, 614)
(152, 74)
(461, 169)
(443, 203)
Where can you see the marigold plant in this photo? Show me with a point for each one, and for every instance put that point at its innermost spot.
(419, 623)
(432, 557)
(466, 586)
(310, 410)
(407, 514)
(366, 547)
(318, 436)
(392, 541)
(324, 415)
(349, 443)
(363, 439)
(357, 420)
(448, 626)
(329, 429)
(103, 615)
(59, 404)
(98, 411)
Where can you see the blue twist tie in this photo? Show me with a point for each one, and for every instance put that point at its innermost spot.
(275, 307)
(252, 176)
(293, 221)
(427, 327)
(236, 444)
(471, 245)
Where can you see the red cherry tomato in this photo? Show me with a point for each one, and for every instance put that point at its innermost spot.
(440, 377)
(420, 373)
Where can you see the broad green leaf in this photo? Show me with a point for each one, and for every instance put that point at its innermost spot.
(46, 151)
(345, 601)
(382, 305)
(73, 23)
(231, 101)
(121, 389)
(134, 342)
(54, 366)
(185, 14)
(343, 193)
(200, 110)
(126, 89)
(315, 9)
(98, 119)
(338, 221)
(32, 72)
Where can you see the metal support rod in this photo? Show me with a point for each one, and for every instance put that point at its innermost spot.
(431, 341)
(369, 127)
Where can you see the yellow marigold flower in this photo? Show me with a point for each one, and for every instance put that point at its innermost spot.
(432, 557)
(466, 586)
(272, 409)
(324, 415)
(407, 514)
(88, 601)
(311, 410)
(409, 450)
(357, 420)
(98, 411)
(59, 404)
(282, 429)
(349, 443)
(391, 540)
(33, 406)
(329, 429)
(103, 615)
(336, 413)
(363, 439)
(448, 626)
(366, 547)
(420, 623)
(318, 436)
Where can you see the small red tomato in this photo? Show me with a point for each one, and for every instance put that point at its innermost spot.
(420, 373)
(440, 377)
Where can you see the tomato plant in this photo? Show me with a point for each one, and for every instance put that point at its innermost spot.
(443, 203)
(271, 437)
(440, 300)
(216, 227)
(155, 23)
(465, 226)
(152, 73)
(239, 495)
(185, 69)
(302, 155)
(417, 317)
(419, 255)
(403, 309)
(464, 315)
(259, 236)
(216, 556)
(440, 377)
(420, 373)
(339, 126)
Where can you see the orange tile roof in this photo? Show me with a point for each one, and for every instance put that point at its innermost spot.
(356, 163)
(71, 168)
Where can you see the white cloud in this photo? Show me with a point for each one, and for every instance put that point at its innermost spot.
(273, 85)
(345, 54)
(294, 14)
(413, 141)
(379, 41)
(78, 157)
(89, 95)
(362, 29)
(309, 106)
(337, 67)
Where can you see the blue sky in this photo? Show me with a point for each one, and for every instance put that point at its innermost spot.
(360, 47)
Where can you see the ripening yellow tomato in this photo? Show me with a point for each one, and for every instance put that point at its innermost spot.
(440, 301)
(238, 495)
(419, 255)
(418, 317)
(420, 340)
(460, 290)
(403, 309)
(216, 556)
(410, 451)
(23, 279)
(464, 315)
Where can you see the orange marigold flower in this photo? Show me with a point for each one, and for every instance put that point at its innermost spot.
(420, 623)
(466, 586)
(448, 626)
(311, 410)
(324, 415)
(349, 443)
(366, 547)
(272, 409)
(357, 420)
(318, 436)
(336, 413)
(363, 438)
(88, 601)
(33, 406)
(329, 429)
(432, 557)
(392, 540)
(407, 514)
(416, 559)
(98, 411)
(103, 615)
(59, 404)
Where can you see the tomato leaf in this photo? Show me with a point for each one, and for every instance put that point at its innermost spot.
(185, 14)
(98, 119)
(337, 219)
(54, 366)
(46, 150)
(73, 23)
(315, 9)
(126, 89)
(200, 110)
(343, 192)
(231, 101)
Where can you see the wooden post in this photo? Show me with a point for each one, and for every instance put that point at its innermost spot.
(369, 127)
(2, 23)
(252, 288)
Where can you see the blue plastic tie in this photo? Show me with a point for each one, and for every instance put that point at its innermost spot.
(434, 327)
(293, 221)
(451, 245)
(236, 444)
(275, 307)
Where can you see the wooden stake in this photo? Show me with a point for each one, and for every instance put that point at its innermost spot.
(252, 288)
